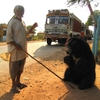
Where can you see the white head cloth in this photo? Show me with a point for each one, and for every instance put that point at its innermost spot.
(17, 7)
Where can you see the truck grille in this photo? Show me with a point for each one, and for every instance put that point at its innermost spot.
(55, 30)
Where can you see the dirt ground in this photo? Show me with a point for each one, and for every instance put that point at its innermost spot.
(44, 85)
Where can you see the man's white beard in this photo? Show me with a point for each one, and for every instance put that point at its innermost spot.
(19, 16)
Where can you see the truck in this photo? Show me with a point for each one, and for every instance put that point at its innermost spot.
(60, 24)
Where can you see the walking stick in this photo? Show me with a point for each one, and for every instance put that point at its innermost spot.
(43, 65)
(47, 68)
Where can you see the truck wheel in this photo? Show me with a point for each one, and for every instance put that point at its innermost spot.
(59, 40)
(71, 35)
(49, 41)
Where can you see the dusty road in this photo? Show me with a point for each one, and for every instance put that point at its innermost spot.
(42, 84)
(36, 49)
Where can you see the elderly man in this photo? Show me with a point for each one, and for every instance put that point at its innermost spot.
(16, 40)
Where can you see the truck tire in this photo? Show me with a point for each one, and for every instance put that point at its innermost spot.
(49, 41)
(71, 35)
(59, 40)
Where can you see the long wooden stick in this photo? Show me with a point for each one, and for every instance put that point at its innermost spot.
(43, 65)
(47, 68)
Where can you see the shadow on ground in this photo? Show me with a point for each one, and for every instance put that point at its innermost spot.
(7, 96)
(75, 94)
(45, 51)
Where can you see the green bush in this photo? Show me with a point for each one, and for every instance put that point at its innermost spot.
(35, 38)
(40, 36)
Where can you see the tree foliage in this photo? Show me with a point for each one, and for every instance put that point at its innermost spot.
(29, 26)
(86, 2)
(40, 35)
(72, 2)
(82, 2)
(90, 20)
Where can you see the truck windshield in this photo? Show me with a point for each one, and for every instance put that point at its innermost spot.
(57, 20)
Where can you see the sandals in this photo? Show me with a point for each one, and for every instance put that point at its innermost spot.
(21, 86)
(15, 90)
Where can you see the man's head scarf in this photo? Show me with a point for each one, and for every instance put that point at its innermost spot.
(15, 9)
(18, 7)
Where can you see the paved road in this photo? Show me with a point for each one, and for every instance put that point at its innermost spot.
(35, 49)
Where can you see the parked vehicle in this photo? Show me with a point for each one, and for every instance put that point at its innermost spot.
(61, 24)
